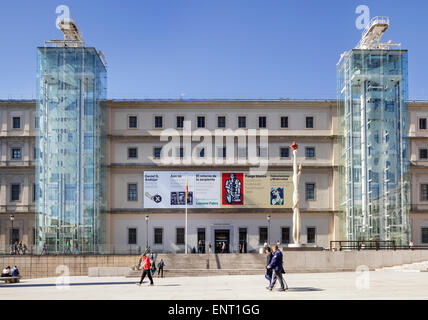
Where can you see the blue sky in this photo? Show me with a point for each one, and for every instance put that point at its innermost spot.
(211, 49)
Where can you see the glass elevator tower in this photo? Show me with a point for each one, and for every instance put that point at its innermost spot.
(70, 146)
(373, 137)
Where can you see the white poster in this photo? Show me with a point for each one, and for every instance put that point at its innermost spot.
(167, 189)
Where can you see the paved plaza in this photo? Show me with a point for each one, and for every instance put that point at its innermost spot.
(345, 285)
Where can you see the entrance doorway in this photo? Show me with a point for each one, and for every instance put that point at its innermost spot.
(220, 237)
(201, 240)
(242, 240)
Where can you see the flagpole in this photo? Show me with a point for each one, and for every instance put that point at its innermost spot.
(185, 228)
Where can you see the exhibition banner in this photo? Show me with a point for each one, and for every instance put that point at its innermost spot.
(167, 189)
(272, 190)
(212, 189)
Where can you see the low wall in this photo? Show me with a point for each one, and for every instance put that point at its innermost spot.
(295, 261)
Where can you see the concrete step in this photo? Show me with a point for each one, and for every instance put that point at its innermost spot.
(200, 272)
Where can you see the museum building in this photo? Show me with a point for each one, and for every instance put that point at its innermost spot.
(80, 171)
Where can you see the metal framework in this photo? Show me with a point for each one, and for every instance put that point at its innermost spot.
(72, 36)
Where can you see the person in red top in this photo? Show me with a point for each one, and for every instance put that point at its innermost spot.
(145, 266)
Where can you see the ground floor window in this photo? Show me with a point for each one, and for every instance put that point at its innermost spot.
(424, 192)
(424, 235)
(285, 235)
(179, 236)
(263, 235)
(311, 234)
(14, 236)
(132, 236)
(158, 235)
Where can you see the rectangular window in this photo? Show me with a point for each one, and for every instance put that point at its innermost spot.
(310, 191)
(221, 122)
(132, 236)
(180, 122)
(15, 192)
(15, 235)
(201, 121)
(132, 122)
(262, 122)
(423, 154)
(424, 235)
(181, 152)
(157, 152)
(34, 153)
(310, 122)
(179, 236)
(132, 153)
(311, 233)
(16, 122)
(422, 123)
(242, 122)
(34, 192)
(284, 152)
(424, 192)
(16, 153)
(158, 235)
(284, 122)
(310, 152)
(263, 235)
(158, 121)
(132, 192)
(285, 235)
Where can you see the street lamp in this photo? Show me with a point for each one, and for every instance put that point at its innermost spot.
(12, 217)
(147, 232)
(268, 219)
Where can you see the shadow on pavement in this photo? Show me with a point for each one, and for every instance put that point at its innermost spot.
(302, 289)
(77, 284)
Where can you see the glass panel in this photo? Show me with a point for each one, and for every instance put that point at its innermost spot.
(374, 147)
(72, 131)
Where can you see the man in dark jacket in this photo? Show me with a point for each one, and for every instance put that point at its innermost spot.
(276, 266)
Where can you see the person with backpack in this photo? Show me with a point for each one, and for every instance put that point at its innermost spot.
(161, 264)
(145, 266)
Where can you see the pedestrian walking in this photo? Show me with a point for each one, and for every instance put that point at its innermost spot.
(268, 274)
(145, 266)
(200, 246)
(276, 265)
(210, 248)
(20, 248)
(45, 248)
(223, 247)
(153, 266)
(161, 264)
(76, 249)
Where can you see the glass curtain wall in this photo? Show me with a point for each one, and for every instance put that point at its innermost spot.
(374, 145)
(71, 144)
